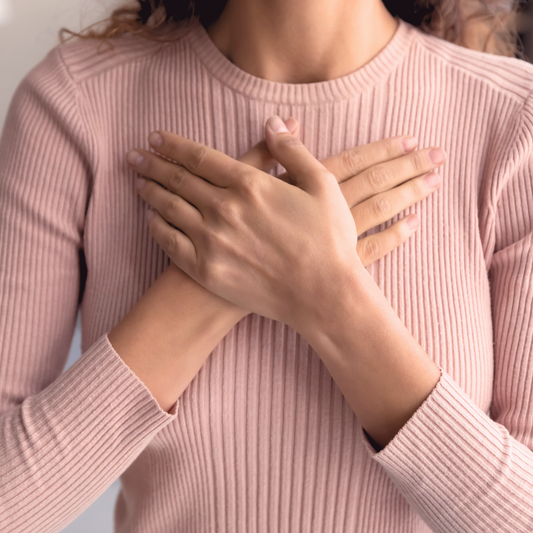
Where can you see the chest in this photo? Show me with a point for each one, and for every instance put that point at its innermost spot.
(436, 281)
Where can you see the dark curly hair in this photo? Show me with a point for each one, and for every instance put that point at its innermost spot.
(486, 25)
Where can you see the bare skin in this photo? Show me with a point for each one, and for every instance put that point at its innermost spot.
(302, 41)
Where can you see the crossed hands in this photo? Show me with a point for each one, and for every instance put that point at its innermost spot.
(281, 246)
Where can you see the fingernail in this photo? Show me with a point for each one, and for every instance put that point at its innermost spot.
(432, 179)
(291, 124)
(149, 215)
(437, 156)
(409, 144)
(413, 221)
(139, 183)
(134, 158)
(277, 125)
(155, 139)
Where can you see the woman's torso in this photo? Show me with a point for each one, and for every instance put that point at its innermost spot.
(264, 440)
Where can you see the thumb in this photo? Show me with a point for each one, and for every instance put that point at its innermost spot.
(305, 171)
(259, 156)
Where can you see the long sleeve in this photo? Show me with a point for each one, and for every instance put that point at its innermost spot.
(64, 438)
(459, 468)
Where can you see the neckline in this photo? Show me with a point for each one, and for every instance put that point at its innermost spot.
(347, 86)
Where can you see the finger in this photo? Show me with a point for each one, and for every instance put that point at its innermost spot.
(293, 125)
(296, 132)
(376, 246)
(353, 161)
(259, 156)
(176, 244)
(176, 178)
(306, 172)
(383, 207)
(173, 208)
(214, 166)
(385, 176)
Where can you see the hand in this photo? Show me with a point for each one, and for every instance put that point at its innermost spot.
(365, 174)
(259, 157)
(377, 182)
(267, 246)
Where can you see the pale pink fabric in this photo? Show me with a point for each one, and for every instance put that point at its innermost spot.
(262, 440)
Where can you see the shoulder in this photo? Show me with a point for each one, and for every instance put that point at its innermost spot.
(508, 76)
(85, 59)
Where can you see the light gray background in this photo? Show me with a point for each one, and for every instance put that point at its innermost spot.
(28, 30)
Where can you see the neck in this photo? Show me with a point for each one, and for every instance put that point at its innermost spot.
(302, 41)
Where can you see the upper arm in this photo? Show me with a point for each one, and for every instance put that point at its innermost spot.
(44, 189)
(511, 281)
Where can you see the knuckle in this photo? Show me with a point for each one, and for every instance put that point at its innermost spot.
(371, 248)
(382, 207)
(171, 207)
(226, 209)
(171, 244)
(420, 188)
(378, 177)
(419, 162)
(197, 159)
(325, 178)
(250, 186)
(353, 160)
(176, 178)
(291, 143)
(397, 236)
(391, 148)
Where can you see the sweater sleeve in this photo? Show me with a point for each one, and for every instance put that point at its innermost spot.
(64, 437)
(459, 468)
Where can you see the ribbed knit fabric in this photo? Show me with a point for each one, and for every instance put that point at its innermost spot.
(263, 440)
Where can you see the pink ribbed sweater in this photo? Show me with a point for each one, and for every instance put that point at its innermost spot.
(262, 440)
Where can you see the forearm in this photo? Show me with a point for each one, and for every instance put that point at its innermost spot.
(381, 370)
(169, 333)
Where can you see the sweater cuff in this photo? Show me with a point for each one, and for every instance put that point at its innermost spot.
(65, 445)
(107, 376)
(413, 433)
(447, 463)
(136, 384)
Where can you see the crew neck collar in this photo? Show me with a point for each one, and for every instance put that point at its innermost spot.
(359, 81)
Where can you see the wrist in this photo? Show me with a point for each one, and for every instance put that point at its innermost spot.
(168, 334)
(179, 287)
(332, 310)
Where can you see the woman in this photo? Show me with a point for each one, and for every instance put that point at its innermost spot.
(318, 409)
